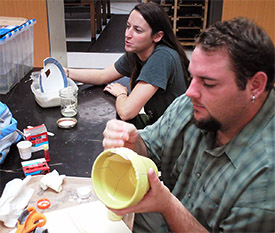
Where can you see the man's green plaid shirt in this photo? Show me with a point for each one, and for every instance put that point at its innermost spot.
(227, 189)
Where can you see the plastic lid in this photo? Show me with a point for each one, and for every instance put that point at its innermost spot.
(43, 203)
(66, 122)
(53, 77)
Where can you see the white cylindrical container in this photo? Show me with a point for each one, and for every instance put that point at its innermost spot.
(25, 149)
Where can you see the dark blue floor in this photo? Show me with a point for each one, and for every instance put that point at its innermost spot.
(110, 40)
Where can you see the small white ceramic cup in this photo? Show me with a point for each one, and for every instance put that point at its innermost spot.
(25, 149)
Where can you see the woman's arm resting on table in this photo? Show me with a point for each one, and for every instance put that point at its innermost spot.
(129, 106)
(160, 199)
(122, 134)
(93, 76)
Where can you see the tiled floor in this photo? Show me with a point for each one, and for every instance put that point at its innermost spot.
(83, 33)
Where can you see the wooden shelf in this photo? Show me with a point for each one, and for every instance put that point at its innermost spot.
(190, 5)
(167, 4)
(188, 28)
(188, 18)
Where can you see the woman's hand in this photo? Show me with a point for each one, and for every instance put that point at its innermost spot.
(116, 89)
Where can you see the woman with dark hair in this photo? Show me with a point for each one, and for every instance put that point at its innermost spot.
(155, 62)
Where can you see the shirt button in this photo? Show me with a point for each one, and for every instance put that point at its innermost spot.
(198, 175)
(189, 195)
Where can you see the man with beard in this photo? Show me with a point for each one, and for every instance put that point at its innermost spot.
(215, 144)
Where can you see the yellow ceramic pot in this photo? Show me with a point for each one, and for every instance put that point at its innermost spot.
(119, 177)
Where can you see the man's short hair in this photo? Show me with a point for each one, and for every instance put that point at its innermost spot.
(249, 47)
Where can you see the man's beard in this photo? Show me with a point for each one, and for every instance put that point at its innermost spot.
(211, 124)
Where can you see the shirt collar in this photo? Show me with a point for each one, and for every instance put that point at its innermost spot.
(245, 137)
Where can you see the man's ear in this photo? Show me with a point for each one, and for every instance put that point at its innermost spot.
(258, 83)
(158, 36)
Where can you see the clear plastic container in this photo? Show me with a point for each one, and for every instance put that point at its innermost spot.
(68, 101)
(16, 55)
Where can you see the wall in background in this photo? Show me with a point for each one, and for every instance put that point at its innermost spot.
(214, 11)
(30, 9)
(261, 11)
(49, 30)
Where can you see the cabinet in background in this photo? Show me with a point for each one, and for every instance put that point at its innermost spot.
(188, 18)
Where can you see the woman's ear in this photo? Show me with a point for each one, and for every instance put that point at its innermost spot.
(258, 83)
(158, 36)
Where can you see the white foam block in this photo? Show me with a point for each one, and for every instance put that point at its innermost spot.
(85, 218)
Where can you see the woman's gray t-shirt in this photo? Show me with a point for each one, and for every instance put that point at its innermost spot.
(162, 69)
